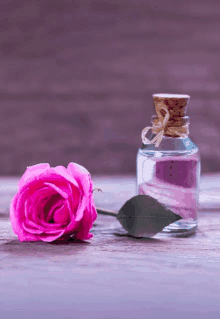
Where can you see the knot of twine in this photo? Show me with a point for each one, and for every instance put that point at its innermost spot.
(161, 127)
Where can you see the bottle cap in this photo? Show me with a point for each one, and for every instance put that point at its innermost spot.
(176, 104)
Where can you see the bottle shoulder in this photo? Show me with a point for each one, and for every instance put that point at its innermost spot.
(170, 145)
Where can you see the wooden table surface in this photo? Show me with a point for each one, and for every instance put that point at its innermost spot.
(112, 275)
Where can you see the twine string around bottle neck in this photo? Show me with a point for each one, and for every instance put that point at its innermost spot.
(161, 127)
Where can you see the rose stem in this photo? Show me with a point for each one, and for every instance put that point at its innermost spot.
(105, 212)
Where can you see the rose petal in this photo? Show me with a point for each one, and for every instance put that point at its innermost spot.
(57, 190)
(18, 212)
(82, 176)
(83, 231)
(51, 228)
(17, 209)
(74, 199)
(14, 214)
(90, 214)
(50, 238)
(31, 171)
(37, 180)
(61, 215)
(40, 200)
(29, 227)
(80, 210)
(93, 209)
(62, 171)
(52, 208)
(24, 236)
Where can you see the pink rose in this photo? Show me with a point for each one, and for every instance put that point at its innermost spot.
(52, 203)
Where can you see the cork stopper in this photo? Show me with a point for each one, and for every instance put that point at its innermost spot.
(176, 104)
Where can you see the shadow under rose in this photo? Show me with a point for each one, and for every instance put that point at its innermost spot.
(44, 249)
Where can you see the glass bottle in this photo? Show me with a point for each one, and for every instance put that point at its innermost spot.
(170, 171)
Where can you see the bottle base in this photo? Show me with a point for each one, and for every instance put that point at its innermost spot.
(182, 228)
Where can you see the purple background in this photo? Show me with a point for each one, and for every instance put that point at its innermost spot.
(76, 79)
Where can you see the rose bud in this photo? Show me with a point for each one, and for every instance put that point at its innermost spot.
(53, 203)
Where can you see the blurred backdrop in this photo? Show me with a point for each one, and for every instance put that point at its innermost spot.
(77, 78)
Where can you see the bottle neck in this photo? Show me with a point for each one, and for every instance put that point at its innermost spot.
(175, 127)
